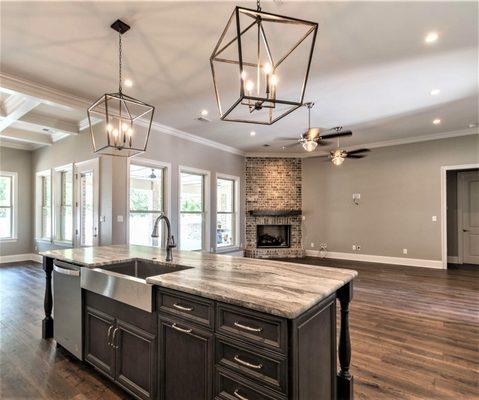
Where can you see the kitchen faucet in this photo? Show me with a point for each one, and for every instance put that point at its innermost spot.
(170, 243)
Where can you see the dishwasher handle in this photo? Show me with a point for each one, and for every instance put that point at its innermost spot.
(63, 268)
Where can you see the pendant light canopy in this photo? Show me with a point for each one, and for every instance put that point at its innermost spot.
(119, 124)
(261, 64)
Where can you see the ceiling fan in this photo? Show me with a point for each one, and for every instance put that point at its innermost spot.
(315, 136)
(338, 156)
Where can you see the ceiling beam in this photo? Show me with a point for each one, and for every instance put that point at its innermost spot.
(36, 122)
(15, 107)
(26, 136)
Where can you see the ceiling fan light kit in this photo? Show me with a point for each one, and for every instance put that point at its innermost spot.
(258, 56)
(120, 124)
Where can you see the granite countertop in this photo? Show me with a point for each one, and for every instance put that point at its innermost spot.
(280, 288)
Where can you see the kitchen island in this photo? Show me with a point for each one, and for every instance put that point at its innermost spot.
(211, 326)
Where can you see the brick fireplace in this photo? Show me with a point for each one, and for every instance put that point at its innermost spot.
(273, 207)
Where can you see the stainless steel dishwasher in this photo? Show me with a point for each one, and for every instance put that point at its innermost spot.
(67, 307)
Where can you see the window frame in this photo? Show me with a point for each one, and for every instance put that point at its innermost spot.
(236, 212)
(58, 201)
(39, 197)
(206, 220)
(13, 206)
(145, 162)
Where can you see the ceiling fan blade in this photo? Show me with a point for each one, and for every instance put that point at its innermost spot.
(292, 145)
(358, 151)
(355, 156)
(335, 129)
(286, 139)
(337, 134)
(322, 142)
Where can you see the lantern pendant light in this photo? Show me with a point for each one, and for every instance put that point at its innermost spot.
(119, 124)
(266, 58)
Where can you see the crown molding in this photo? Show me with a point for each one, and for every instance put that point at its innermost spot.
(374, 145)
(12, 84)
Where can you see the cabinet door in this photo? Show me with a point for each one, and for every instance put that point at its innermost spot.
(135, 360)
(98, 331)
(186, 361)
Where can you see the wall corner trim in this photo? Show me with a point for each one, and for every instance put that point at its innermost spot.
(21, 257)
(410, 262)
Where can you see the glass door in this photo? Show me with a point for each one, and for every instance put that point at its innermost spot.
(86, 203)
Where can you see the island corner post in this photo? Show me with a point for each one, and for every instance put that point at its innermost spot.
(345, 390)
(47, 322)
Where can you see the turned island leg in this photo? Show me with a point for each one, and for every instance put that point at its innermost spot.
(345, 379)
(47, 323)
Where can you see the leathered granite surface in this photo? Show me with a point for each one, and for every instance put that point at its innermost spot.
(280, 288)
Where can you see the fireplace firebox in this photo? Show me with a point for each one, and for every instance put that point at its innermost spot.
(273, 236)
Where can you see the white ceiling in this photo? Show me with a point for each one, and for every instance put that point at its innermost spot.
(371, 72)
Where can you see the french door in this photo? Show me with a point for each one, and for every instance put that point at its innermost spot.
(87, 203)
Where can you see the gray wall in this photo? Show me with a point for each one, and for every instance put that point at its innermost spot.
(400, 190)
(113, 178)
(20, 161)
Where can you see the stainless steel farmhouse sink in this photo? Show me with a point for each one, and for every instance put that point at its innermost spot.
(126, 281)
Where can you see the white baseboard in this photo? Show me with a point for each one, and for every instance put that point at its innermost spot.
(412, 262)
(453, 260)
(21, 257)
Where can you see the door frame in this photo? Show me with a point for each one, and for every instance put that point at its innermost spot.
(88, 165)
(444, 170)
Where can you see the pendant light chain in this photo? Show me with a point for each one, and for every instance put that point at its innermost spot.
(119, 63)
(258, 5)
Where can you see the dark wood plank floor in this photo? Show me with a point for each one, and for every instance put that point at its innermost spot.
(415, 335)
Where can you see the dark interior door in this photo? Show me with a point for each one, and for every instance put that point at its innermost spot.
(186, 361)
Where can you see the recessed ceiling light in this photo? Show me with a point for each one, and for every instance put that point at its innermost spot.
(435, 92)
(128, 83)
(204, 113)
(431, 37)
(437, 121)
(252, 133)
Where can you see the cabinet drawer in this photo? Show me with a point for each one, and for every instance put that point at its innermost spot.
(191, 308)
(252, 326)
(263, 366)
(230, 386)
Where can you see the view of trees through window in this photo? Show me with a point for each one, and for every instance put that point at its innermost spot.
(191, 211)
(225, 212)
(6, 206)
(146, 203)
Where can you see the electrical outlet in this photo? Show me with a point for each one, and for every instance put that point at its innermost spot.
(434, 218)
(404, 251)
(119, 218)
(303, 217)
(312, 244)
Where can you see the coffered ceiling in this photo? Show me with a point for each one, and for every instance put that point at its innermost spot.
(372, 71)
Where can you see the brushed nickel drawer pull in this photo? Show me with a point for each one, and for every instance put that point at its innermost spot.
(247, 364)
(183, 308)
(108, 335)
(237, 395)
(247, 328)
(176, 327)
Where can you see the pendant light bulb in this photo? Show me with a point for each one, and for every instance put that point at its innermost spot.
(129, 132)
(310, 145)
(274, 80)
(124, 127)
(267, 68)
(249, 86)
(115, 133)
(109, 128)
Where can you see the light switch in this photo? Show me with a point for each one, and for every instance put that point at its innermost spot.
(434, 218)
(119, 218)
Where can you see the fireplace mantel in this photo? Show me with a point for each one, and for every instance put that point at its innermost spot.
(274, 213)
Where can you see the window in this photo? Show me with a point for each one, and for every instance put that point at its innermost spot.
(146, 203)
(192, 211)
(63, 197)
(8, 204)
(44, 205)
(226, 215)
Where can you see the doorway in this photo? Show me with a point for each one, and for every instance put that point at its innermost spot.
(461, 215)
(87, 203)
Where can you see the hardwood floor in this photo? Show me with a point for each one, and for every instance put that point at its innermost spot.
(414, 332)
